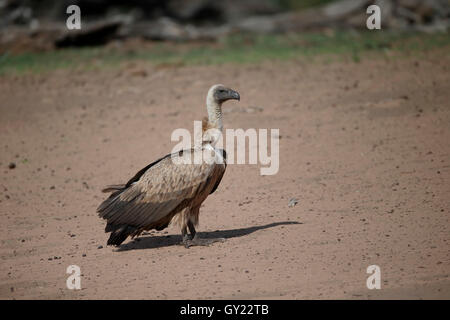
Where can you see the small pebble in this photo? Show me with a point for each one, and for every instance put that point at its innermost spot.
(292, 202)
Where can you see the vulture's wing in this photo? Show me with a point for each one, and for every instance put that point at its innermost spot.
(137, 176)
(224, 155)
(160, 190)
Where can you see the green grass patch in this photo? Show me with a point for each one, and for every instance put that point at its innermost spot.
(241, 48)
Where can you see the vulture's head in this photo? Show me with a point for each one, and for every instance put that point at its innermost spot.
(219, 94)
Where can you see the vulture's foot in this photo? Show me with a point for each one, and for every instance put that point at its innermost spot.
(196, 241)
(185, 239)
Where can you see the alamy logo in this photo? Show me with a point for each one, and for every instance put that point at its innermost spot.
(374, 20)
(74, 20)
(74, 280)
(374, 281)
(258, 146)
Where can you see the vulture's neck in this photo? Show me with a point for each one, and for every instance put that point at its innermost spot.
(212, 128)
(214, 113)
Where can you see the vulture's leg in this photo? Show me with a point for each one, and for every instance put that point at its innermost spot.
(196, 241)
(191, 229)
(185, 236)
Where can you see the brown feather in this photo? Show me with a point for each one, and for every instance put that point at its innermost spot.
(155, 195)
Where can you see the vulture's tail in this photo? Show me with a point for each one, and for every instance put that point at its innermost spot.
(119, 233)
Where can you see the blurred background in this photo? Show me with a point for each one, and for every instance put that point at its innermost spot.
(281, 27)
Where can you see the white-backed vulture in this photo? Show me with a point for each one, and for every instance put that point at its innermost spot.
(172, 187)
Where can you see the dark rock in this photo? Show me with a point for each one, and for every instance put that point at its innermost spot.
(93, 35)
(344, 8)
(192, 9)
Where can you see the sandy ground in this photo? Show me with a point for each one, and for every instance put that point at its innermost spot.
(364, 148)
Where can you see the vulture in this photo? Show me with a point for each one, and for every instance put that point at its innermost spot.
(173, 187)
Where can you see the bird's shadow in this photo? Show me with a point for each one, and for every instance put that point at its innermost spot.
(152, 241)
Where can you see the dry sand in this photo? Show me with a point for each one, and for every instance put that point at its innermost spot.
(365, 148)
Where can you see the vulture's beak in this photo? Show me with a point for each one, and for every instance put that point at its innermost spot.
(234, 95)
